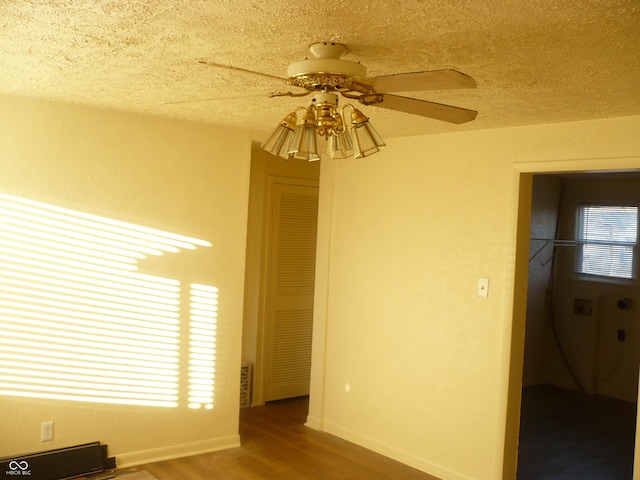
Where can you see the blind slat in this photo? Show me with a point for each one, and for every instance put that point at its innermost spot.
(607, 237)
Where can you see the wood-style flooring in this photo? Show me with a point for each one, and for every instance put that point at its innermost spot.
(277, 446)
(564, 435)
(567, 435)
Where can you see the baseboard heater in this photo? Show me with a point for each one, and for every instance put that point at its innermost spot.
(58, 464)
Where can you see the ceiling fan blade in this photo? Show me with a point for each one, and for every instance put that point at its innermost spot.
(413, 82)
(289, 94)
(244, 70)
(240, 97)
(216, 99)
(437, 111)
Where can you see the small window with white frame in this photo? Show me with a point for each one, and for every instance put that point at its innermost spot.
(606, 241)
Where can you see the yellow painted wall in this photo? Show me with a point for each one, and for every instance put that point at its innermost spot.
(408, 360)
(186, 178)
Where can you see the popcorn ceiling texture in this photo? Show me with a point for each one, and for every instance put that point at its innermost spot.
(537, 61)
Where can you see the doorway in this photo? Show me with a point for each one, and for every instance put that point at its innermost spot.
(578, 376)
(279, 197)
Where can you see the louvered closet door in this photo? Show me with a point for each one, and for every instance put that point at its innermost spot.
(289, 321)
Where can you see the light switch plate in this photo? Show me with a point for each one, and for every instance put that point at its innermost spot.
(483, 287)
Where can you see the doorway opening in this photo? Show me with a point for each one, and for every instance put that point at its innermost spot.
(580, 368)
(279, 277)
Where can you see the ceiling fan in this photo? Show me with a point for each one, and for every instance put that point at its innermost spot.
(327, 76)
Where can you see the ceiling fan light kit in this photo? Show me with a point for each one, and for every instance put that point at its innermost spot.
(307, 134)
(321, 128)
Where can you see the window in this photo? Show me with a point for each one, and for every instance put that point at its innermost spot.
(607, 237)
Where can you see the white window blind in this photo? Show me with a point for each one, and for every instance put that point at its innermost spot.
(607, 238)
(78, 321)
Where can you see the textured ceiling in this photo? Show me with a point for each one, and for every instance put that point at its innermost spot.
(535, 61)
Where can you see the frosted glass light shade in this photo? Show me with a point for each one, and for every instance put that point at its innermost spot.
(279, 142)
(304, 145)
(340, 146)
(366, 141)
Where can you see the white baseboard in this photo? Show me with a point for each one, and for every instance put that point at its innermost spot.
(395, 454)
(313, 422)
(176, 451)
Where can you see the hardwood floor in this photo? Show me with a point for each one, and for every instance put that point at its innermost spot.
(277, 446)
(564, 435)
(567, 435)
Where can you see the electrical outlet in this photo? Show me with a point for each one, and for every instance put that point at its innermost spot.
(46, 431)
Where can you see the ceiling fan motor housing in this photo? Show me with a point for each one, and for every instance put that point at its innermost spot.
(327, 70)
